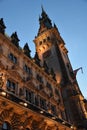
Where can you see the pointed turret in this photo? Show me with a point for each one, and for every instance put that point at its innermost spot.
(44, 21)
(27, 50)
(14, 39)
(2, 26)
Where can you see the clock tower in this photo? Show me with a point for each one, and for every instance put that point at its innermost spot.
(51, 49)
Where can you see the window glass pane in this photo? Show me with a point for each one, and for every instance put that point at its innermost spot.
(39, 78)
(27, 69)
(10, 56)
(27, 97)
(6, 126)
(8, 83)
(14, 59)
(11, 86)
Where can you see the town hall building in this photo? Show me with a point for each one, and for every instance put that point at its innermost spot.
(39, 93)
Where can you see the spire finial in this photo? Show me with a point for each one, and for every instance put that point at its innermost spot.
(42, 8)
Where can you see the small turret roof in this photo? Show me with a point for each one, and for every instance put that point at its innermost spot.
(2, 23)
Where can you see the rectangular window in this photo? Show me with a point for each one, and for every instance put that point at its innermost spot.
(30, 96)
(43, 103)
(12, 58)
(11, 86)
(53, 109)
(27, 69)
(27, 96)
(36, 100)
(39, 78)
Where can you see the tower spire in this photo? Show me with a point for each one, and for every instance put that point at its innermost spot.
(43, 14)
(42, 8)
(44, 21)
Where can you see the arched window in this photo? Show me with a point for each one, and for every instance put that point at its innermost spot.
(6, 126)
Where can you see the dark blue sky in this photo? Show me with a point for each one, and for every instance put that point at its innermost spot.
(70, 16)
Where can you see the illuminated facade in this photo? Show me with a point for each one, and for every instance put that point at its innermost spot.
(39, 93)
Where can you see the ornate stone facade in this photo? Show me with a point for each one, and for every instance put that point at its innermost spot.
(39, 93)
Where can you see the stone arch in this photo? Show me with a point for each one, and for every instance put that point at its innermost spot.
(38, 124)
(54, 127)
(27, 123)
(12, 118)
(5, 116)
(30, 83)
(35, 125)
(15, 121)
(43, 125)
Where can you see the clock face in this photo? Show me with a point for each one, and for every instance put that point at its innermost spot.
(47, 54)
